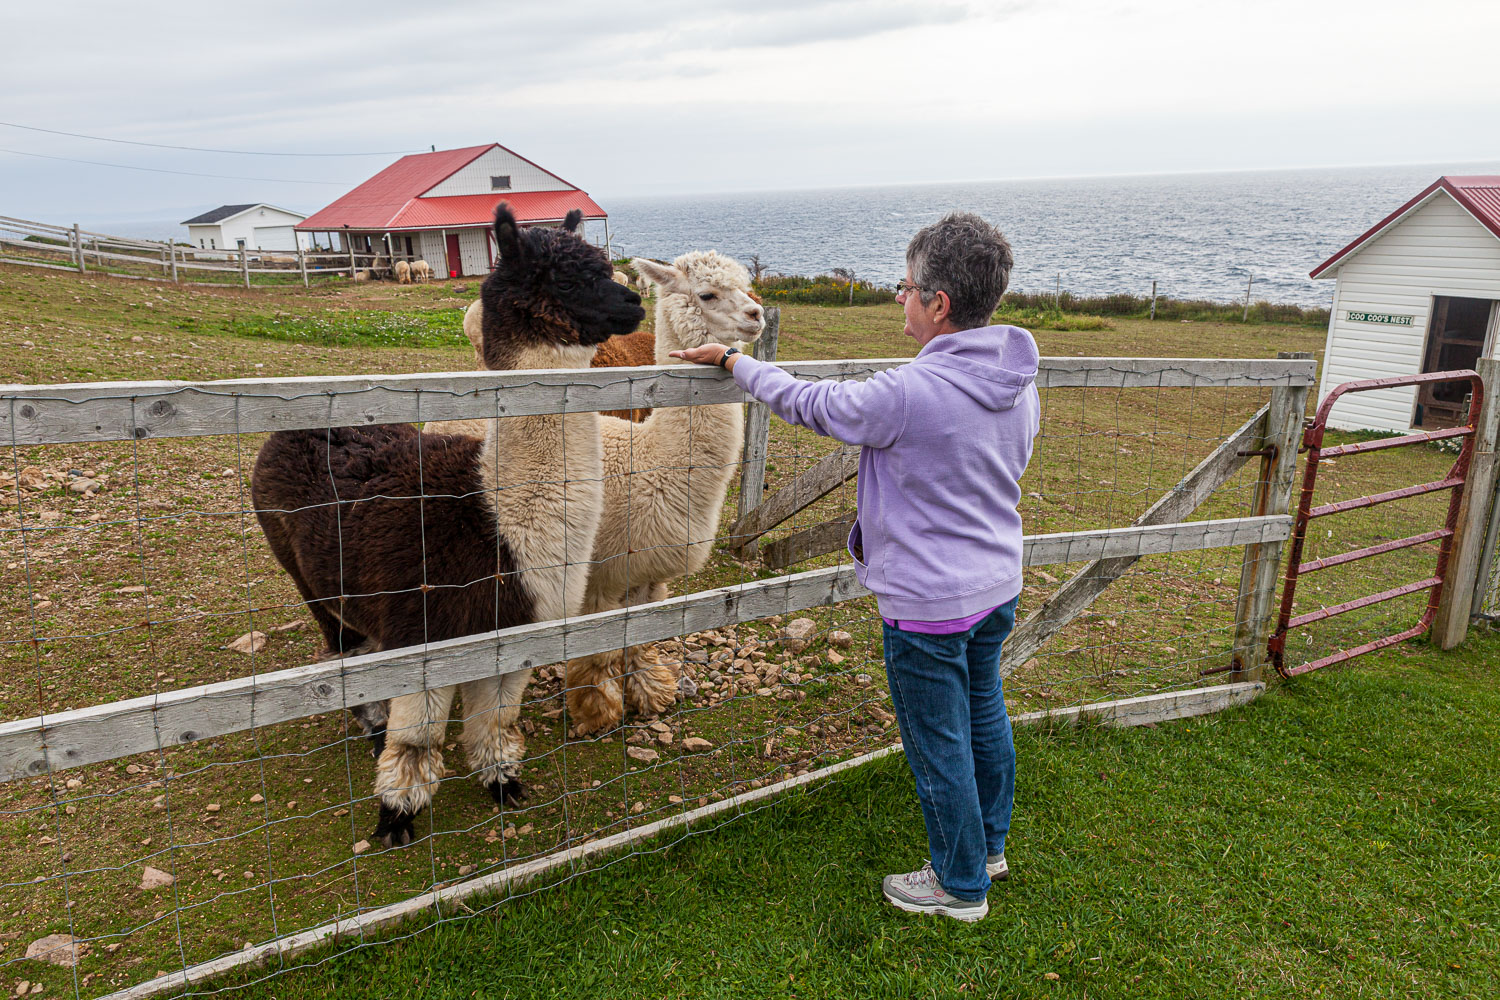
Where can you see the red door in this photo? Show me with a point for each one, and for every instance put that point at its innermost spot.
(455, 259)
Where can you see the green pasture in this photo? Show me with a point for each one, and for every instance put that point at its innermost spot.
(1195, 859)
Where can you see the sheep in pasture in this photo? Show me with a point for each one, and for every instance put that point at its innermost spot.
(664, 485)
(403, 273)
(621, 278)
(421, 272)
(396, 537)
(361, 275)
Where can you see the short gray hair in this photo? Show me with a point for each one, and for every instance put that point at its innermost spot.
(966, 257)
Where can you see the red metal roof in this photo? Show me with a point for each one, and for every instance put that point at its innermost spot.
(1479, 196)
(391, 199)
(461, 210)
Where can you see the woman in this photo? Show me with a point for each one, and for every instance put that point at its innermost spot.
(937, 538)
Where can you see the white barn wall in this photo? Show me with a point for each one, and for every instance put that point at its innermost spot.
(206, 237)
(1438, 249)
(475, 178)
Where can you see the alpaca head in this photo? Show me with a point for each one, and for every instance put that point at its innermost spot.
(706, 296)
(550, 289)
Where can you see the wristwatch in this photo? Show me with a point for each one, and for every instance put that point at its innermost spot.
(724, 361)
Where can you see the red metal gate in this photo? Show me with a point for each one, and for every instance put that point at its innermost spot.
(1312, 443)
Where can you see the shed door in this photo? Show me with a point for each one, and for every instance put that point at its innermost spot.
(455, 259)
(275, 238)
(1455, 339)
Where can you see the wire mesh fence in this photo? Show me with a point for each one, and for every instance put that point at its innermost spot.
(187, 790)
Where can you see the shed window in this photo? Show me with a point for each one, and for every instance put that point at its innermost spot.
(500, 183)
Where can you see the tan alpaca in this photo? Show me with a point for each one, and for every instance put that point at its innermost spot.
(664, 483)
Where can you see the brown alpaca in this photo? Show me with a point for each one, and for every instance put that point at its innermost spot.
(633, 351)
(395, 537)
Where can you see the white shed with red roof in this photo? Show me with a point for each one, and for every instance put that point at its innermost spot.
(1416, 293)
(440, 207)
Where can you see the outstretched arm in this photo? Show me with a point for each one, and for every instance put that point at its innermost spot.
(871, 413)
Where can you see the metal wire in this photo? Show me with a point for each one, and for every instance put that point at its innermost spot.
(581, 791)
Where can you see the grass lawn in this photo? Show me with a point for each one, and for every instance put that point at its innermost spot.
(1335, 838)
(140, 587)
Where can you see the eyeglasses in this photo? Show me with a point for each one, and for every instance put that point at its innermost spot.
(904, 287)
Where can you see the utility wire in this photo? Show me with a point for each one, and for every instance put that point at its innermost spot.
(182, 173)
(200, 149)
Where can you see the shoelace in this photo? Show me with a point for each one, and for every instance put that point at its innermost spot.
(924, 876)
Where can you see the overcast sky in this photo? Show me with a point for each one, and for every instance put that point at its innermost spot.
(696, 96)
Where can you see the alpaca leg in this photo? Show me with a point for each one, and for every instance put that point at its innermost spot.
(595, 698)
(411, 765)
(372, 716)
(650, 684)
(491, 737)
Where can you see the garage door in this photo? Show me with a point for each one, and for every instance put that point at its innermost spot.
(276, 238)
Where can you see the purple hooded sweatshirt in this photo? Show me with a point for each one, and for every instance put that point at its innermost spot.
(943, 440)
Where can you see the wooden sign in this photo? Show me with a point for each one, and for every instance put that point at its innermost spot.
(1389, 319)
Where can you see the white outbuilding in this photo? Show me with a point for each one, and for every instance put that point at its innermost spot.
(246, 227)
(1419, 292)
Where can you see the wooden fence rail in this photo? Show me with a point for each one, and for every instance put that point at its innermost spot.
(120, 411)
(35, 415)
(33, 747)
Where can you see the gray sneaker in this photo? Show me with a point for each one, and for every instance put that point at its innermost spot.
(921, 892)
(995, 865)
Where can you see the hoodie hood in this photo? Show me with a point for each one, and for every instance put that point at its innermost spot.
(992, 364)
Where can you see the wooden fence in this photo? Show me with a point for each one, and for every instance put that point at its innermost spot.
(116, 411)
(70, 248)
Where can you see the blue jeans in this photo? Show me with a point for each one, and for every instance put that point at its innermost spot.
(950, 705)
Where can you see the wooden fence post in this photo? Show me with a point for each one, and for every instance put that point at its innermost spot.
(172, 255)
(1260, 570)
(302, 264)
(165, 270)
(245, 266)
(1466, 558)
(353, 266)
(757, 432)
(78, 249)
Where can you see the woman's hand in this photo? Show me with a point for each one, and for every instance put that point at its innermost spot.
(706, 354)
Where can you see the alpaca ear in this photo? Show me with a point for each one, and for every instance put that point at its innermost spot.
(508, 234)
(664, 276)
(573, 219)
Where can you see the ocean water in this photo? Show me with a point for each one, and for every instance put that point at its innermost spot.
(1196, 235)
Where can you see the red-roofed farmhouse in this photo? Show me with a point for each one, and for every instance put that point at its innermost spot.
(440, 207)
(1418, 292)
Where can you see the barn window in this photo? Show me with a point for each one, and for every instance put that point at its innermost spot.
(500, 183)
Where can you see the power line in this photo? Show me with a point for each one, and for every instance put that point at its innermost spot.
(199, 149)
(181, 173)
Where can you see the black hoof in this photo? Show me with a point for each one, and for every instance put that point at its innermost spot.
(377, 741)
(395, 828)
(507, 793)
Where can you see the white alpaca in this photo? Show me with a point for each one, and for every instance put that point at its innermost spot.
(664, 482)
(403, 273)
